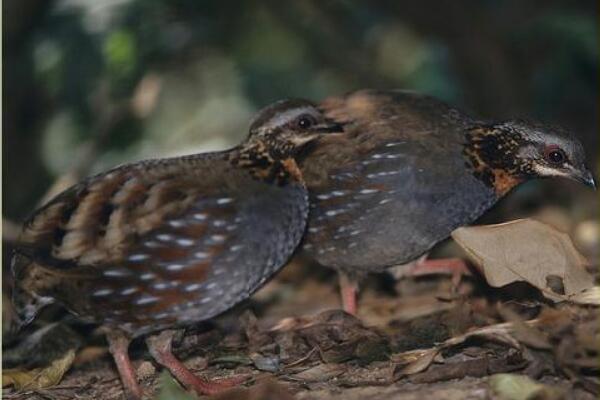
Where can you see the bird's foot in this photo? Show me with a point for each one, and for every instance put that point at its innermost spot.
(160, 348)
(118, 345)
(451, 266)
(349, 292)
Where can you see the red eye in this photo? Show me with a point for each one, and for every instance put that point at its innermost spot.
(555, 155)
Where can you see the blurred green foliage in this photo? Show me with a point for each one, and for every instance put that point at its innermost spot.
(131, 79)
(169, 389)
(120, 53)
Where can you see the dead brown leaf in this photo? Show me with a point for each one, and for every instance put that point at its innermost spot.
(530, 251)
(476, 367)
(416, 361)
(526, 334)
(320, 373)
(39, 378)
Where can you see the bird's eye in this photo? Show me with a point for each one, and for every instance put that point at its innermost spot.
(305, 121)
(555, 155)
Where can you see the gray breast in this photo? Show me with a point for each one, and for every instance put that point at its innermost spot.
(389, 208)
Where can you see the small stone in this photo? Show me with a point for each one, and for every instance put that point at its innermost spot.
(146, 370)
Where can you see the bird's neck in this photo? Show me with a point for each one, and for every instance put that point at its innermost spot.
(264, 165)
(492, 155)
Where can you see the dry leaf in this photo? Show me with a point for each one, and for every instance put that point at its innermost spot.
(39, 378)
(589, 296)
(320, 373)
(415, 361)
(530, 251)
(525, 333)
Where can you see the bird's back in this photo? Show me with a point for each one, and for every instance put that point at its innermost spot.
(394, 185)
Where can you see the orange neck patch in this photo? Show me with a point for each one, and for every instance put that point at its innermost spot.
(504, 181)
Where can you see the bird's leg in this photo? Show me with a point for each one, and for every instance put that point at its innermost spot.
(453, 266)
(348, 290)
(160, 348)
(118, 345)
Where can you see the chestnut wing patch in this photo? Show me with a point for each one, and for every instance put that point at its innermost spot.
(202, 261)
(96, 222)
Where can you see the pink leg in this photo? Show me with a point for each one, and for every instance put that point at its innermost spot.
(453, 266)
(160, 348)
(118, 345)
(348, 290)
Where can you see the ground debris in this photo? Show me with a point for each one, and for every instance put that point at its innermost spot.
(519, 387)
(39, 378)
(335, 335)
(425, 344)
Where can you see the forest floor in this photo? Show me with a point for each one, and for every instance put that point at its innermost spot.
(414, 338)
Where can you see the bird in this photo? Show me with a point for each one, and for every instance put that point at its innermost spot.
(150, 247)
(408, 170)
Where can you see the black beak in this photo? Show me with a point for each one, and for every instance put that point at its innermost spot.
(328, 127)
(586, 178)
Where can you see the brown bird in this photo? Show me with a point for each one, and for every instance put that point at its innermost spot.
(162, 244)
(408, 171)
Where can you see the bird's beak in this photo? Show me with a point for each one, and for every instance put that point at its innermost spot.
(328, 127)
(316, 132)
(585, 176)
(299, 141)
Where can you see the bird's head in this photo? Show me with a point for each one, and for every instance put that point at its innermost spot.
(287, 126)
(517, 150)
(278, 134)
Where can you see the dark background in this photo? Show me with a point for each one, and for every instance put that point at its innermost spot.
(90, 84)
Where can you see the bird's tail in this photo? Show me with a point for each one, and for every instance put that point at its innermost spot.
(27, 295)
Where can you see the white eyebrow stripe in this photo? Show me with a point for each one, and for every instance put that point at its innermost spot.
(287, 116)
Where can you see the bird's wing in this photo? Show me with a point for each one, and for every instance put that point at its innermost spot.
(207, 238)
(106, 218)
(99, 220)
